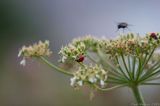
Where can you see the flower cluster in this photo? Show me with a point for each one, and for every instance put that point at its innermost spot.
(77, 49)
(73, 52)
(132, 60)
(90, 42)
(131, 45)
(154, 38)
(89, 75)
(36, 50)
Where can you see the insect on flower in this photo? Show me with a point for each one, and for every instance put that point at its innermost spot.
(80, 58)
(154, 36)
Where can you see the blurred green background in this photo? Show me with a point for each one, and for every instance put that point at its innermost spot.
(23, 22)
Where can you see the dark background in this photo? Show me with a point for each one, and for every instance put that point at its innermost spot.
(23, 22)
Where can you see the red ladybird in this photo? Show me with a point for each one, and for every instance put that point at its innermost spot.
(80, 58)
(153, 35)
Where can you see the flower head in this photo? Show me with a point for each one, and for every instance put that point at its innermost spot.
(130, 44)
(36, 50)
(77, 49)
(73, 52)
(89, 74)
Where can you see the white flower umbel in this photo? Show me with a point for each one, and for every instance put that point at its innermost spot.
(131, 61)
(90, 75)
(36, 50)
(73, 52)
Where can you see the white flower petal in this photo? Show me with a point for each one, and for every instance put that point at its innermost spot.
(105, 78)
(92, 79)
(72, 81)
(23, 62)
(102, 83)
(80, 83)
(19, 54)
(97, 76)
(63, 59)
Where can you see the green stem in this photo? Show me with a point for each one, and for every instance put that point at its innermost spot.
(108, 89)
(139, 69)
(81, 64)
(93, 60)
(149, 76)
(133, 66)
(112, 77)
(150, 83)
(105, 62)
(55, 67)
(138, 95)
(121, 69)
(144, 63)
(151, 70)
(125, 65)
(129, 63)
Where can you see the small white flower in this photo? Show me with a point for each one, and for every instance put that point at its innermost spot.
(103, 71)
(102, 83)
(80, 83)
(63, 59)
(23, 62)
(20, 53)
(105, 78)
(72, 81)
(92, 79)
(97, 76)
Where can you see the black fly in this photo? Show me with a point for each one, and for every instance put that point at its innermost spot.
(122, 25)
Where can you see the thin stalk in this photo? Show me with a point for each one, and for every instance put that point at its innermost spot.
(98, 63)
(133, 66)
(108, 89)
(139, 69)
(151, 69)
(149, 57)
(125, 65)
(154, 78)
(55, 67)
(121, 69)
(103, 60)
(114, 70)
(150, 83)
(143, 79)
(81, 64)
(129, 63)
(117, 79)
(138, 96)
(145, 62)
(93, 60)
(114, 82)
